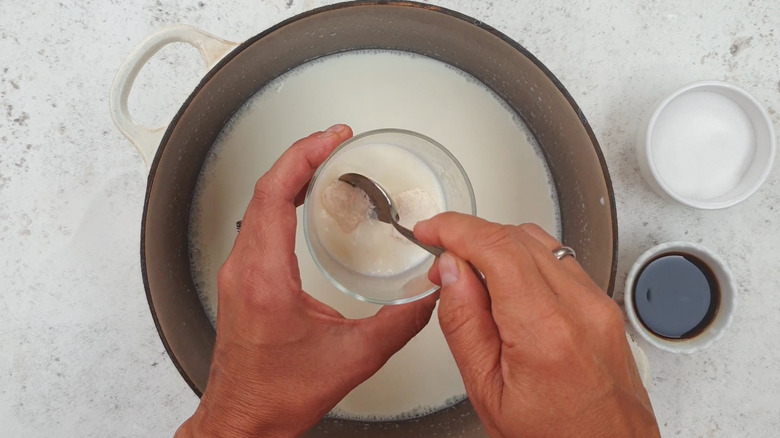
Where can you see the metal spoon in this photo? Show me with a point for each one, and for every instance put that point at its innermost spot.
(386, 212)
(384, 207)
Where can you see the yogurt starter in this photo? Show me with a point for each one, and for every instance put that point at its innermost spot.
(371, 90)
(344, 220)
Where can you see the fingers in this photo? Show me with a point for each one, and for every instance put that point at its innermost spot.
(270, 217)
(486, 244)
(467, 323)
(548, 244)
(433, 272)
(296, 166)
(301, 196)
(510, 271)
(383, 334)
(565, 277)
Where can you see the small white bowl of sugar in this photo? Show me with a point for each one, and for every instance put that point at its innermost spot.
(708, 145)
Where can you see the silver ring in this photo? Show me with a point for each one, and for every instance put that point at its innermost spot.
(563, 252)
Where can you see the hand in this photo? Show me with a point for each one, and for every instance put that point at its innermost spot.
(542, 351)
(282, 359)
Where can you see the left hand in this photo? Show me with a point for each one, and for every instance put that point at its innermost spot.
(282, 359)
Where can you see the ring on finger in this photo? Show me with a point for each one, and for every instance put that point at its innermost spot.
(563, 252)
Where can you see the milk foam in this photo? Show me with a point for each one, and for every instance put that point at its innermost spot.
(371, 90)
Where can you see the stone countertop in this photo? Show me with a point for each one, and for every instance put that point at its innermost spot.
(80, 355)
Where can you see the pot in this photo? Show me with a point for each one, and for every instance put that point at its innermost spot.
(176, 154)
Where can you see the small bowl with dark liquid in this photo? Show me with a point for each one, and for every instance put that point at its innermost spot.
(680, 297)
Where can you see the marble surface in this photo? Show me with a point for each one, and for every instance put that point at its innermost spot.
(79, 354)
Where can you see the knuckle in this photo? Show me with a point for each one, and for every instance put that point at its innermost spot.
(453, 320)
(495, 236)
(448, 219)
(239, 282)
(533, 232)
(531, 228)
(263, 191)
(225, 275)
(604, 318)
(611, 316)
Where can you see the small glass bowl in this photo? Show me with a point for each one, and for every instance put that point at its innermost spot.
(411, 284)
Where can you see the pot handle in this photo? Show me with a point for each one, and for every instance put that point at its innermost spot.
(146, 139)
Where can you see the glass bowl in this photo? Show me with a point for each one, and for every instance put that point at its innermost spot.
(370, 262)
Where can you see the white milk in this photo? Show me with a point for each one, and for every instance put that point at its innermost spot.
(369, 246)
(372, 90)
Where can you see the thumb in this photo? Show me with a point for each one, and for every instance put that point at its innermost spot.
(467, 323)
(391, 328)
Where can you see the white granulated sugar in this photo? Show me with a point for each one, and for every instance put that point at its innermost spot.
(702, 145)
(347, 205)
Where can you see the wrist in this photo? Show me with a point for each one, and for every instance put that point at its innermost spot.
(188, 429)
(201, 425)
(216, 420)
(634, 415)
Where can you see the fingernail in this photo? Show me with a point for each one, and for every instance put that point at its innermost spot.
(333, 130)
(448, 269)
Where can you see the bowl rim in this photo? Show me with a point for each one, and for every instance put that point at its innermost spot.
(310, 189)
(764, 120)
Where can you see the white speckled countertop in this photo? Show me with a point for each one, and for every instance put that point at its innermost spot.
(79, 354)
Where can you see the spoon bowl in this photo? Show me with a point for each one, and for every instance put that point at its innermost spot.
(385, 210)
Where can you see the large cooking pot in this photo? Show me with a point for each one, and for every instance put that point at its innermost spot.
(236, 72)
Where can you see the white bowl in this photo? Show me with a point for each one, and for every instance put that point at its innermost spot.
(708, 145)
(726, 307)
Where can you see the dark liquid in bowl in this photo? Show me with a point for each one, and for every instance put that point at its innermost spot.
(676, 296)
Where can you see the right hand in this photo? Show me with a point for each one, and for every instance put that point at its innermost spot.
(542, 351)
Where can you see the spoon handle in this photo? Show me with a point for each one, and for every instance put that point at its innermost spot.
(435, 250)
